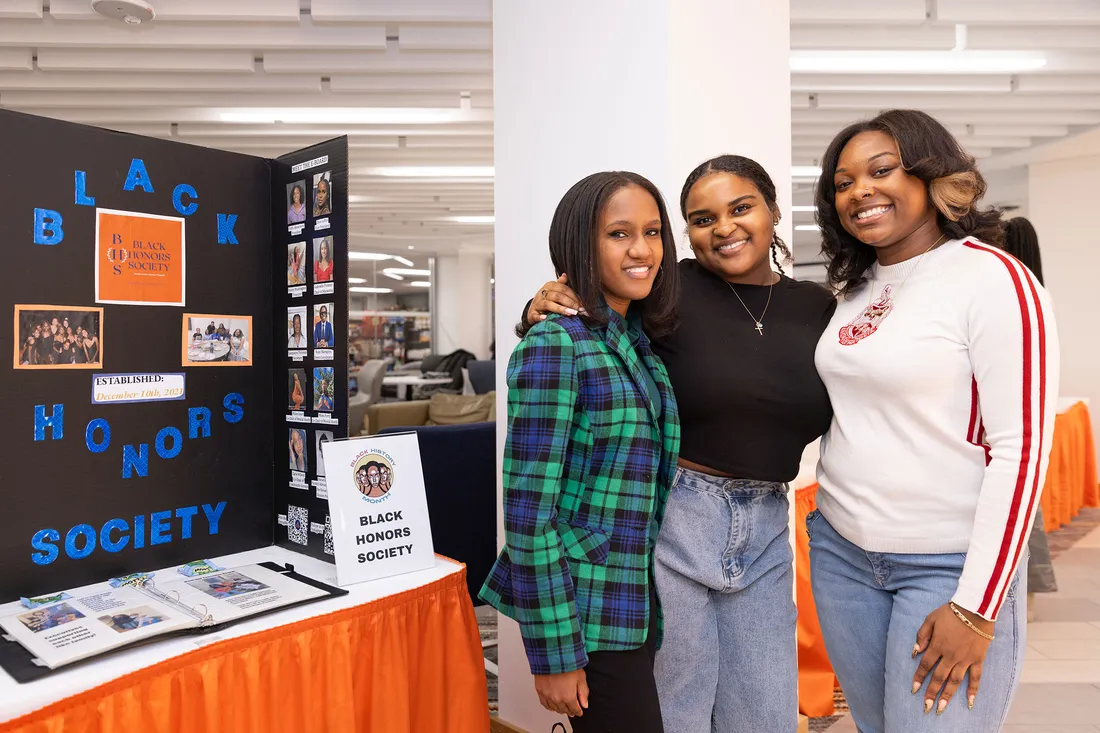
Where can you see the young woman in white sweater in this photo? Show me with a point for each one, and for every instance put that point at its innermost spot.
(941, 362)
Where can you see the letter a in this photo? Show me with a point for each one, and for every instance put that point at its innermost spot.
(138, 176)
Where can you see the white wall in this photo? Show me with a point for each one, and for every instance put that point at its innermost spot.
(463, 306)
(1062, 205)
(652, 86)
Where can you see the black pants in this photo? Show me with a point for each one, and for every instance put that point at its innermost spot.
(622, 695)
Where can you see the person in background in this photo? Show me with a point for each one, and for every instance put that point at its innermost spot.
(321, 204)
(297, 394)
(943, 407)
(593, 435)
(741, 365)
(296, 213)
(29, 353)
(91, 346)
(1022, 242)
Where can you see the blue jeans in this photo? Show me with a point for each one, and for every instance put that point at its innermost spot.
(724, 573)
(871, 604)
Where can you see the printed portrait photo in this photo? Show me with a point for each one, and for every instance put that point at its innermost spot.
(322, 260)
(323, 388)
(217, 340)
(322, 206)
(297, 446)
(296, 202)
(323, 335)
(226, 585)
(296, 264)
(51, 617)
(295, 330)
(296, 389)
(58, 337)
(323, 436)
(133, 619)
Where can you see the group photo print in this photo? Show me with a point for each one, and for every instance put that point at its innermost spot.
(58, 337)
(217, 340)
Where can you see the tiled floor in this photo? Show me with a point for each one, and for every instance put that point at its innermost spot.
(1060, 688)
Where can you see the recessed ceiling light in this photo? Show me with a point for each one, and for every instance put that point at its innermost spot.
(807, 228)
(803, 209)
(430, 171)
(403, 261)
(343, 115)
(356, 281)
(391, 275)
(472, 219)
(805, 171)
(420, 284)
(411, 247)
(371, 290)
(405, 271)
(917, 62)
(371, 256)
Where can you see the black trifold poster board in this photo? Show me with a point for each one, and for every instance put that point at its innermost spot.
(153, 287)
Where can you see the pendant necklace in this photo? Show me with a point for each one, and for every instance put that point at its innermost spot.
(758, 321)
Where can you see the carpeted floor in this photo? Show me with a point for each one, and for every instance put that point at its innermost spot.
(1060, 540)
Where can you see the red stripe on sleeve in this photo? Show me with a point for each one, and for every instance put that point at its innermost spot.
(1025, 452)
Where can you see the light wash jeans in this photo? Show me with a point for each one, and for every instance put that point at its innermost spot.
(871, 604)
(724, 573)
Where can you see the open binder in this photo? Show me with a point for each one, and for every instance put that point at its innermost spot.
(84, 623)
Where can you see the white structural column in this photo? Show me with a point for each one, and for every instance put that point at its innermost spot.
(463, 304)
(1061, 202)
(652, 86)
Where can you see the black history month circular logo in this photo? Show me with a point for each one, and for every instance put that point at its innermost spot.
(373, 474)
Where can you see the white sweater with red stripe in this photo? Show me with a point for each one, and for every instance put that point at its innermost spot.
(944, 391)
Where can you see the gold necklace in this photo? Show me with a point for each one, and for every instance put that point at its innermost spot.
(871, 290)
(758, 321)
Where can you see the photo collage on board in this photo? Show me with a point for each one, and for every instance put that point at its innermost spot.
(316, 328)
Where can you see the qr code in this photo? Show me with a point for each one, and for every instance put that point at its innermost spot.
(329, 549)
(297, 526)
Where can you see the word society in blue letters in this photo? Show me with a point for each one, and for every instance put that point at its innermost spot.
(116, 534)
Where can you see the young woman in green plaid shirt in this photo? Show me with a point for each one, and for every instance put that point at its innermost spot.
(742, 365)
(593, 437)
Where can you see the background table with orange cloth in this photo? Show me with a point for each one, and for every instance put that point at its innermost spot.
(1071, 484)
(397, 655)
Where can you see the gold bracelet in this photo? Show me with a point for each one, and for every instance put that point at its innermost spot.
(962, 617)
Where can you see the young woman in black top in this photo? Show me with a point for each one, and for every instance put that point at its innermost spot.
(742, 367)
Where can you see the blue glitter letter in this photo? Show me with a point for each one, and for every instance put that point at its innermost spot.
(177, 199)
(105, 535)
(56, 422)
(213, 514)
(138, 177)
(47, 227)
(160, 531)
(185, 514)
(135, 460)
(43, 541)
(89, 435)
(198, 417)
(232, 403)
(86, 531)
(226, 222)
(162, 439)
(82, 198)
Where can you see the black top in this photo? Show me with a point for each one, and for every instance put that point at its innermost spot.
(749, 403)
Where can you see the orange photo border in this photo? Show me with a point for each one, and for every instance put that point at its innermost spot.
(186, 340)
(71, 309)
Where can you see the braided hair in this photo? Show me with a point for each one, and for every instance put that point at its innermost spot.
(754, 173)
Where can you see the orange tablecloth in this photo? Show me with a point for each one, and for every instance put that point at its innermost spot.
(1071, 484)
(407, 663)
(1071, 478)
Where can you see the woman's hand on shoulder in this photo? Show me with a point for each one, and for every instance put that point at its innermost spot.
(554, 297)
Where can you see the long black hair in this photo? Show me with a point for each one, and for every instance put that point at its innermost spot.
(1022, 242)
(573, 250)
(928, 152)
(754, 173)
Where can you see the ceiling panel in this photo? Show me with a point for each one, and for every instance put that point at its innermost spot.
(410, 83)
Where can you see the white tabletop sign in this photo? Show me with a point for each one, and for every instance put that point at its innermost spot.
(378, 507)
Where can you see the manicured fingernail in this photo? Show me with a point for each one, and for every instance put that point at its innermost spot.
(542, 317)
(916, 649)
(916, 687)
(927, 706)
(970, 702)
(570, 312)
(940, 708)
